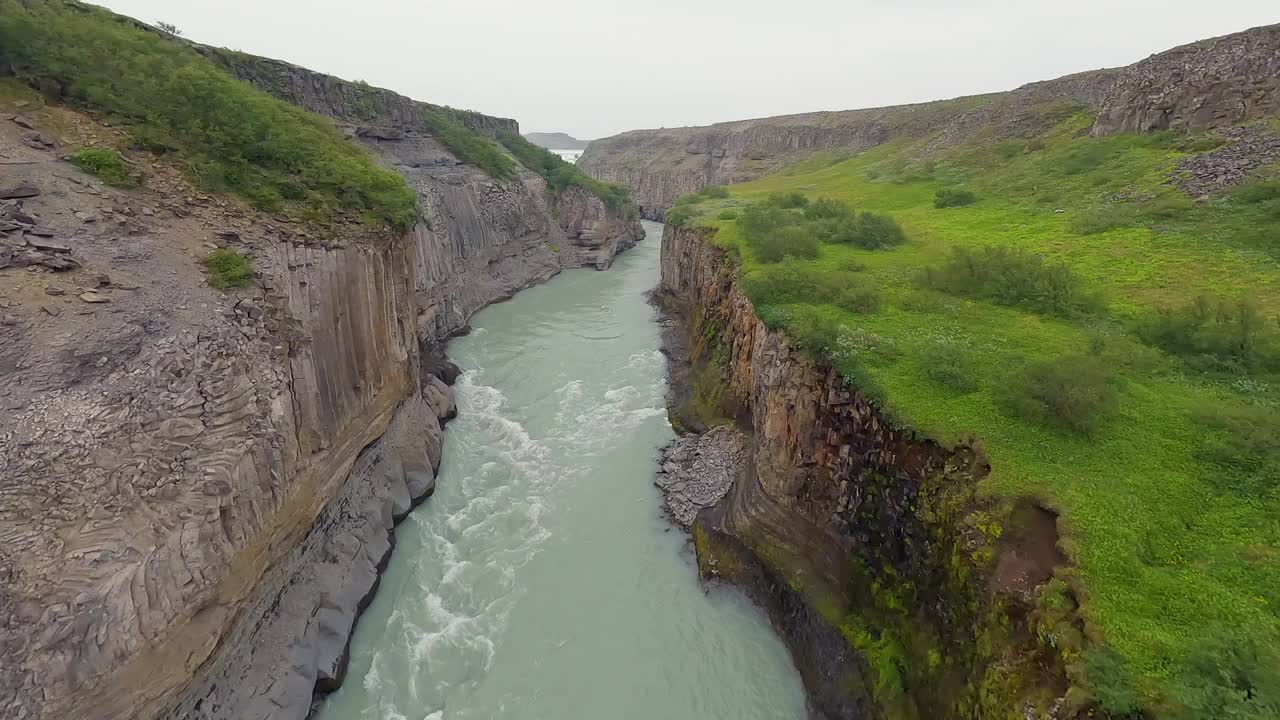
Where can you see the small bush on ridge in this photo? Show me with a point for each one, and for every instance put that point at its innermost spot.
(1244, 442)
(228, 269)
(1014, 277)
(950, 365)
(1216, 334)
(953, 197)
(108, 165)
(870, 231)
(792, 282)
(785, 241)
(825, 208)
(1073, 392)
(789, 200)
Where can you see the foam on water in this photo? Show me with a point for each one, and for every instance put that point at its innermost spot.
(541, 581)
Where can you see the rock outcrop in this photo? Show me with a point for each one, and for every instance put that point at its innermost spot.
(1213, 83)
(696, 471)
(854, 534)
(197, 488)
(1209, 84)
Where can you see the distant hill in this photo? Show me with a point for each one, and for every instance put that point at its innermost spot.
(556, 141)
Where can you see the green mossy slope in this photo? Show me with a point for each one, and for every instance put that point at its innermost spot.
(229, 135)
(1111, 344)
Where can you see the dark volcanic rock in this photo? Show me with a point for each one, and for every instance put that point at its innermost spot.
(1248, 150)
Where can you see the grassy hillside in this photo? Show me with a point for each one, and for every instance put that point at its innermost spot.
(230, 136)
(1111, 344)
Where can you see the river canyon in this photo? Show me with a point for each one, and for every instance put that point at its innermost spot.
(400, 415)
(541, 580)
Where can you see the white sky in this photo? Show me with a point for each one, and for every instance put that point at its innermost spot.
(598, 67)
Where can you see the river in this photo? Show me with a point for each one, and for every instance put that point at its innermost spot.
(541, 582)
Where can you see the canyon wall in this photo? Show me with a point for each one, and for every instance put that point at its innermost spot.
(199, 487)
(1209, 84)
(861, 539)
(1217, 82)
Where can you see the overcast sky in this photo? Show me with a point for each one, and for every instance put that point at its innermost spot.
(597, 67)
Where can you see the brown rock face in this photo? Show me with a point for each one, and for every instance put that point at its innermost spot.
(1212, 83)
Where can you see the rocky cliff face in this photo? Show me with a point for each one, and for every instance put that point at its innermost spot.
(1212, 83)
(1208, 84)
(858, 537)
(198, 488)
(473, 213)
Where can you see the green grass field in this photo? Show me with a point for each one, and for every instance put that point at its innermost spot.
(1170, 504)
(228, 135)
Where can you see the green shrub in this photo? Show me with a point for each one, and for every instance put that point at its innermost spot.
(791, 282)
(231, 136)
(825, 208)
(783, 242)
(728, 215)
(953, 197)
(1258, 192)
(680, 216)
(851, 264)
(1231, 676)
(759, 218)
(107, 164)
(228, 269)
(789, 200)
(1215, 333)
(1109, 682)
(775, 232)
(1073, 392)
(950, 365)
(870, 231)
(1014, 277)
(714, 192)
(1243, 442)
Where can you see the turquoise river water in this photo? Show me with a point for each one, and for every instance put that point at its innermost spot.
(541, 582)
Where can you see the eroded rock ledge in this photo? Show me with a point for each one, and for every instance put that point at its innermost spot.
(859, 538)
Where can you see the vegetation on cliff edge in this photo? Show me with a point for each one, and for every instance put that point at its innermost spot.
(229, 136)
(1112, 345)
(561, 175)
